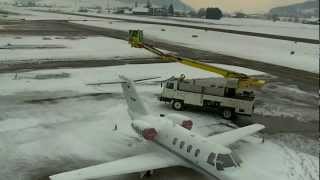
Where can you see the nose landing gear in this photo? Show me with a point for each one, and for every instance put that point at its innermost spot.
(146, 174)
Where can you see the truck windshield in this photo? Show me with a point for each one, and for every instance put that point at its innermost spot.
(169, 85)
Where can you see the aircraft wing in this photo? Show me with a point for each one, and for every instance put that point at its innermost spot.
(139, 163)
(232, 136)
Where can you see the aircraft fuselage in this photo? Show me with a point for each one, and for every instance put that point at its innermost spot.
(193, 149)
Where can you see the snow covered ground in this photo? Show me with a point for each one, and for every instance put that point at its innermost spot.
(54, 124)
(79, 77)
(36, 15)
(88, 48)
(41, 138)
(285, 53)
(288, 101)
(251, 25)
(261, 26)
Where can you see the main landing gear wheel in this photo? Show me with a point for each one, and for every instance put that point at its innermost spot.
(177, 105)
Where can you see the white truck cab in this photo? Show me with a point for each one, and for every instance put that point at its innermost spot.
(219, 93)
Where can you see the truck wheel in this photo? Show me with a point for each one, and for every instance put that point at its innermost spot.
(177, 105)
(228, 113)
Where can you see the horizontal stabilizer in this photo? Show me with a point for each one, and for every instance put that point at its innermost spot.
(121, 81)
(139, 163)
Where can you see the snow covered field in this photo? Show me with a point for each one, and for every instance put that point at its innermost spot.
(51, 122)
(285, 53)
(41, 138)
(290, 102)
(101, 75)
(88, 48)
(36, 15)
(251, 25)
(261, 26)
(279, 52)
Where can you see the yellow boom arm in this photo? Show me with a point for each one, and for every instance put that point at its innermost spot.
(136, 40)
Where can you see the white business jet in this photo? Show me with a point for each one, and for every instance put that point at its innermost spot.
(176, 145)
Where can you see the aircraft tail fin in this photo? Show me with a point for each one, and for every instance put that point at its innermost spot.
(136, 107)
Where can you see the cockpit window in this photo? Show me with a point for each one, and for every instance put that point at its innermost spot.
(226, 160)
(220, 166)
(211, 159)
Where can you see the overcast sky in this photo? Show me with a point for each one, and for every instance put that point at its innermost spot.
(249, 6)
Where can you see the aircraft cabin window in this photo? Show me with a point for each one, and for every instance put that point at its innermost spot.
(175, 140)
(182, 144)
(226, 160)
(197, 152)
(211, 159)
(189, 148)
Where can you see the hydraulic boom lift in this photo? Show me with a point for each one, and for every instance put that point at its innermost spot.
(245, 81)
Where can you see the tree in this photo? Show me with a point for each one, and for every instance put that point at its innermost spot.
(202, 12)
(214, 13)
(171, 10)
(136, 4)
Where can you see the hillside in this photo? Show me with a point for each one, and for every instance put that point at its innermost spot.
(178, 4)
(306, 9)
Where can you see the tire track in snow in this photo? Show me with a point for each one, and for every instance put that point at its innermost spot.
(300, 167)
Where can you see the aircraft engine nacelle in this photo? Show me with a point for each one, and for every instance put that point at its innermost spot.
(183, 121)
(145, 130)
